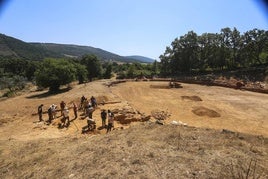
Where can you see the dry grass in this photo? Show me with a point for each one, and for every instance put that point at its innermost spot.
(142, 151)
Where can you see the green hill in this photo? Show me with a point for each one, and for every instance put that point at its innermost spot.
(78, 51)
(14, 48)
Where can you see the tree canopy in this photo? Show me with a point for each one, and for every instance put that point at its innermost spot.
(55, 72)
(225, 50)
(93, 66)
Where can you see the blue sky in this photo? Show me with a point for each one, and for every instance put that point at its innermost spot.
(126, 27)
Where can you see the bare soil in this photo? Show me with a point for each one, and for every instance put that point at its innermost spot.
(226, 134)
(236, 110)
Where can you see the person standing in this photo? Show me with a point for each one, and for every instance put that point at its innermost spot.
(75, 109)
(62, 106)
(53, 109)
(66, 118)
(40, 112)
(89, 111)
(93, 101)
(83, 98)
(110, 121)
(103, 117)
(50, 114)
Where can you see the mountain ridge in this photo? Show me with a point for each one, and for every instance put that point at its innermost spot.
(141, 58)
(16, 48)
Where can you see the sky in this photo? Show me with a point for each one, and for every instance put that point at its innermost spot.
(126, 27)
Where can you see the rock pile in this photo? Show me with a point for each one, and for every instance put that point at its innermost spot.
(160, 115)
(128, 115)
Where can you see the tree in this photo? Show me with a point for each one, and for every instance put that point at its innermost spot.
(165, 67)
(184, 53)
(235, 46)
(255, 42)
(93, 66)
(225, 46)
(108, 71)
(13, 84)
(31, 68)
(213, 51)
(14, 65)
(209, 47)
(190, 51)
(81, 73)
(155, 68)
(55, 72)
(131, 71)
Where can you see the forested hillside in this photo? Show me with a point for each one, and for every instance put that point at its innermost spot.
(14, 48)
(66, 50)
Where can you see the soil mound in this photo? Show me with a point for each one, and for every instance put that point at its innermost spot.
(167, 86)
(203, 111)
(160, 86)
(192, 98)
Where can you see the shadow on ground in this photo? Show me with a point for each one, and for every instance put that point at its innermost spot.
(49, 93)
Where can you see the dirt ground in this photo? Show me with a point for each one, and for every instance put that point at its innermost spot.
(32, 149)
(217, 107)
